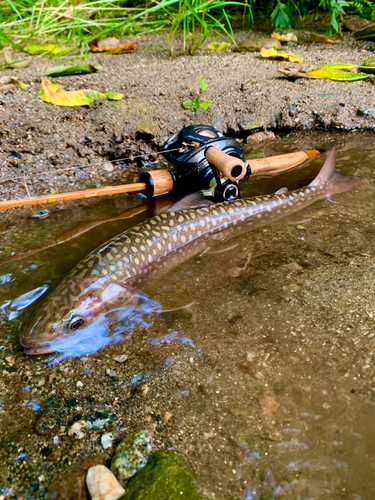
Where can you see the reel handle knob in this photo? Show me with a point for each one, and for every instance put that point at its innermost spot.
(231, 167)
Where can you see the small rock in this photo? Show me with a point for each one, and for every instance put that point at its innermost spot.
(100, 420)
(78, 429)
(131, 454)
(121, 358)
(292, 287)
(167, 417)
(294, 267)
(108, 166)
(10, 360)
(102, 484)
(260, 137)
(269, 405)
(356, 23)
(107, 440)
(79, 384)
(147, 129)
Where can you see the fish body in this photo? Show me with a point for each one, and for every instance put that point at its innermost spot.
(111, 275)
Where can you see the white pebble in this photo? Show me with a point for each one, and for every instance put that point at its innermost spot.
(121, 358)
(78, 429)
(79, 384)
(102, 484)
(107, 440)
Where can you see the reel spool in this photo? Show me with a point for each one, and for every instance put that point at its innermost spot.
(200, 154)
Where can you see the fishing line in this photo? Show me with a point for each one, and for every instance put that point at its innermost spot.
(16, 178)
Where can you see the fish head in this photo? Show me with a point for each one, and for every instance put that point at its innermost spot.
(70, 311)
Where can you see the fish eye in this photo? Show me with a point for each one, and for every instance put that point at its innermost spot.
(76, 323)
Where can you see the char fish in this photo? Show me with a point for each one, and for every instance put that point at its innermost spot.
(111, 276)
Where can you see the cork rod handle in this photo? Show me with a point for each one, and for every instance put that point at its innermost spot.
(279, 163)
(231, 167)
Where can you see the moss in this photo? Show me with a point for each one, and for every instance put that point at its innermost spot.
(131, 454)
(258, 124)
(165, 477)
(369, 65)
(146, 129)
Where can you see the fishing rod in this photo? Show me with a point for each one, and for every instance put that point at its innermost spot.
(204, 159)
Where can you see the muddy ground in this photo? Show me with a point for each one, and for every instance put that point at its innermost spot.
(53, 149)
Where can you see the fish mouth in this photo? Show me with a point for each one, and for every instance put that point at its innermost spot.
(33, 348)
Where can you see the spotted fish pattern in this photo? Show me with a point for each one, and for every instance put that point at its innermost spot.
(111, 274)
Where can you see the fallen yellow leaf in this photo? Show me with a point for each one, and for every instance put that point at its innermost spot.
(40, 48)
(321, 38)
(54, 93)
(273, 53)
(217, 46)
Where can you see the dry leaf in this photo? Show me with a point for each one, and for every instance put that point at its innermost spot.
(273, 53)
(296, 73)
(321, 38)
(7, 82)
(288, 37)
(21, 63)
(54, 93)
(269, 405)
(113, 49)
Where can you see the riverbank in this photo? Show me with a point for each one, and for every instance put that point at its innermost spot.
(46, 149)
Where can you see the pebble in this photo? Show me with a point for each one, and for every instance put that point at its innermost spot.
(167, 417)
(121, 358)
(132, 454)
(107, 440)
(102, 484)
(78, 429)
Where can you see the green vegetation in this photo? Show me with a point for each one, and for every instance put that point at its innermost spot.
(196, 102)
(84, 20)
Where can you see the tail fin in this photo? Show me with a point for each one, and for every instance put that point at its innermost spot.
(333, 181)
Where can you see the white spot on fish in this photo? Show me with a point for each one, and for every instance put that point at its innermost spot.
(183, 238)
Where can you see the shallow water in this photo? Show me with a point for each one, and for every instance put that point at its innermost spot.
(268, 375)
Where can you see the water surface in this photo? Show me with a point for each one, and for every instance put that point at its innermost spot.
(268, 375)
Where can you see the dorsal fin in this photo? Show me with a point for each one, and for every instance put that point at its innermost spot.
(282, 190)
(191, 200)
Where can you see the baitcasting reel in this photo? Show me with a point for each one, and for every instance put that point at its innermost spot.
(204, 159)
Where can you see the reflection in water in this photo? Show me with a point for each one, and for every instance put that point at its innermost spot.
(12, 308)
(165, 339)
(113, 326)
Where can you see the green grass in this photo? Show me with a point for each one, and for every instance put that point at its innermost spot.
(81, 21)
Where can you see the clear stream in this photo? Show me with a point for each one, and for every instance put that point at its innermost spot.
(268, 375)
